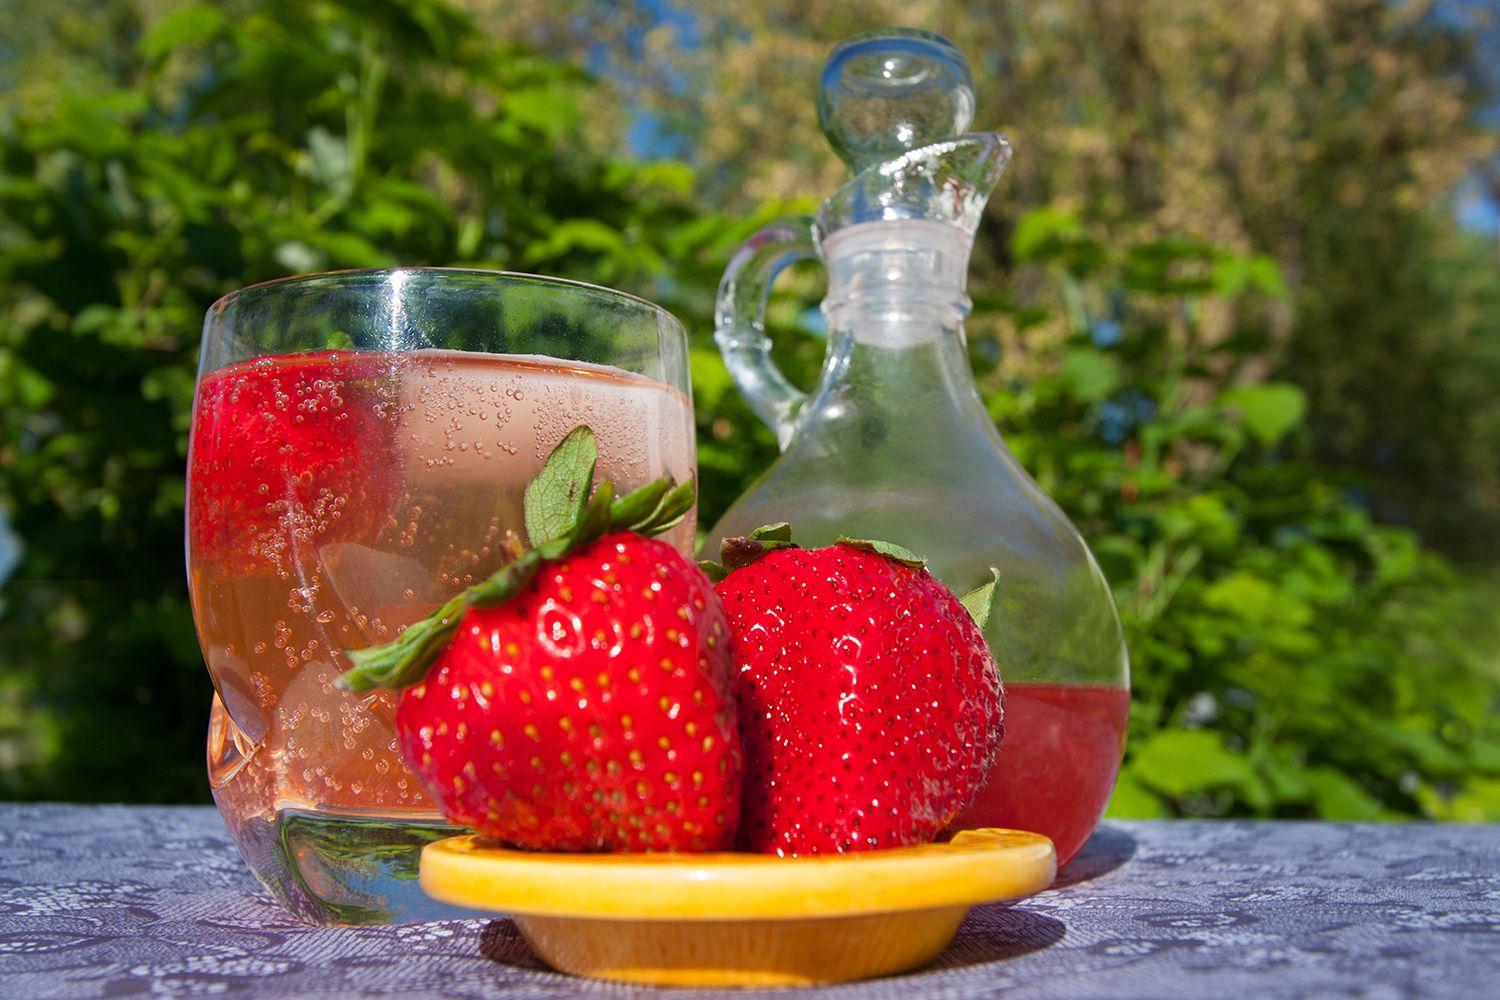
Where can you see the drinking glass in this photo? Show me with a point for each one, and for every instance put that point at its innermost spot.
(360, 443)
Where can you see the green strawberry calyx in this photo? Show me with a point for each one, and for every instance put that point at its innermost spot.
(561, 516)
(739, 552)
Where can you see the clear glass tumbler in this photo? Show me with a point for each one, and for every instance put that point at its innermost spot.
(360, 443)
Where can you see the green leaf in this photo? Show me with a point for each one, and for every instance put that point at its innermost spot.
(980, 602)
(890, 550)
(577, 234)
(1041, 228)
(1233, 275)
(653, 508)
(552, 111)
(1265, 275)
(1337, 796)
(710, 378)
(781, 531)
(674, 507)
(1478, 802)
(1133, 800)
(1269, 411)
(638, 506)
(1286, 774)
(1176, 762)
(1091, 376)
(555, 499)
(184, 27)
(1251, 599)
(670, 175)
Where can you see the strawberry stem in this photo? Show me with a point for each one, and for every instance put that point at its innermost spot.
(737, 553)
(560, 516)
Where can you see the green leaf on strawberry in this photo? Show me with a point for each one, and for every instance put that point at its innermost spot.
(980, 602)
(556, 498)
(890, 550)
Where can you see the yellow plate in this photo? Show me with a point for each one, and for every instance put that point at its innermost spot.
(740, 919)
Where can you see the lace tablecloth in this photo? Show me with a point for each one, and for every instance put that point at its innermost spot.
(117, 901)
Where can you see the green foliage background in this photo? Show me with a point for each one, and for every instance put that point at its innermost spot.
(1292, 655)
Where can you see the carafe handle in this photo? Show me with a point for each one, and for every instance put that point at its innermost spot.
(740, 320)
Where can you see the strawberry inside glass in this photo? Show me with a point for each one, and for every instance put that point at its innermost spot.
(337, 496)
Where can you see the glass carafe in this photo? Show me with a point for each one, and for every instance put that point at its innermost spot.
(895, 443)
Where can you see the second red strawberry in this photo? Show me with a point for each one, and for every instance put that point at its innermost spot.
(870, 707)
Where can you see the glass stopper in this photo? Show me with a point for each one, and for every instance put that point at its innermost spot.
(884, 92)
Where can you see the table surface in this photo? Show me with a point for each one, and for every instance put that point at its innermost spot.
(122, 901)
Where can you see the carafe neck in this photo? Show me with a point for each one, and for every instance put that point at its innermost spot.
(895, 308)
(896, 284)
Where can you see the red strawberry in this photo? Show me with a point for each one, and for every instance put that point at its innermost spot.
(869, 705)
(286, 451)
(581, 698)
